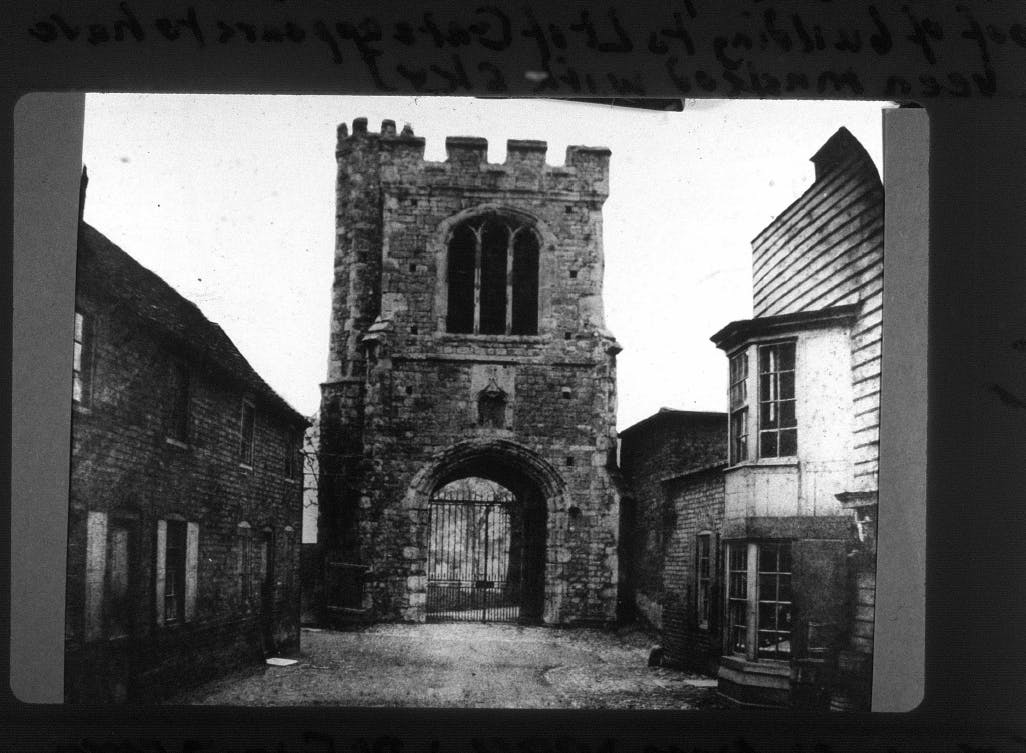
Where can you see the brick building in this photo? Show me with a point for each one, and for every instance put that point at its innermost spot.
(468, 340)
(801, 481)
(185, 500)
(659, 457)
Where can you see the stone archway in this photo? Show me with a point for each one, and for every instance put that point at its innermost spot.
(539, 503)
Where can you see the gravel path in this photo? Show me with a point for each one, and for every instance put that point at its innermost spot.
(466, 665)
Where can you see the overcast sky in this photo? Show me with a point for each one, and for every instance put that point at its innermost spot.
(231, 200)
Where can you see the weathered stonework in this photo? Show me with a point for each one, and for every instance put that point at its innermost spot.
(400, 413)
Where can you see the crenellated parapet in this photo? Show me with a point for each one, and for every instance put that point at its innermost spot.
(585, 171)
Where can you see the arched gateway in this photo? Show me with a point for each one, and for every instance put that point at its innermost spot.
(485, 555)
(467, 341)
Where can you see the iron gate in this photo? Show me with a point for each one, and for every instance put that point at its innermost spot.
(471, 575)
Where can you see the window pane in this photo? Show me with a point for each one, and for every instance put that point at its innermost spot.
(76, 388)
(768, 558)
(78, 357)
(767, 359)
(786, 385)
(493, 279)
(788, 442)
(79, 320)
(784, 588)
(786, 351)
(785, 558)
(768, 416)
(767, 588)
(767, 616)
(768, 444)
(525, 283)
(460, 316)
(786, 414)
(767, 388)
(738, 556)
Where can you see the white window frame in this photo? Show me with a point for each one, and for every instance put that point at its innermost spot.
(246, 453)
(190, 585)
(738, 416)
(82, 359)
(752, 600)
(773, 401)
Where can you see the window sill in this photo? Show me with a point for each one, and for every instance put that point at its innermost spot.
(773, 667)
(458, 337)
(176, 443)
(788, 462)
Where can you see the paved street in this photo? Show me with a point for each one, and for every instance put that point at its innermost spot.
(466, 665)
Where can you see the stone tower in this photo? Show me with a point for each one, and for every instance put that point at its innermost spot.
(467, 340)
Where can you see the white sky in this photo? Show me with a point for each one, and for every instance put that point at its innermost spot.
(230, 199)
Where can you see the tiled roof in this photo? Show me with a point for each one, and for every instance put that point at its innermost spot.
(107, 270)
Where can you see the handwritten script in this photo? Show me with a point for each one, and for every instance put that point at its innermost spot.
(680, 52)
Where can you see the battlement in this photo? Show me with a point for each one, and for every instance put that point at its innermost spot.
(584, 168)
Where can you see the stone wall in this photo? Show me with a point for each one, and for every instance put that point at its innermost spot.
(402, 391)
(125, 468)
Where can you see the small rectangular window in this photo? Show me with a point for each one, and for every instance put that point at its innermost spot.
(246, 432)
(738, 394)
(82, 359)
(174, 572)
(704, 578)
(778, 425)
(178, 401)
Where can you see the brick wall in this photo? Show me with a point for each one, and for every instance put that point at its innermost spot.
(125, 471)
(665, 444)
(697, 500)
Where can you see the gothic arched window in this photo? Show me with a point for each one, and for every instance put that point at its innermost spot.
(493, 277)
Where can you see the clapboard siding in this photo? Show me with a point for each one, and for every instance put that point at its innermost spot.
(822, 214)
(825, 240)
(817, 286)
(826, 250)
(833, 194)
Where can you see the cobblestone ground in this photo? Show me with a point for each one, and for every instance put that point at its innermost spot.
(466, 665)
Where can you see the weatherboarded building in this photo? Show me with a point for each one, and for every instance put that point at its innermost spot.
(803, 446)
(185, 497)
(468, 340)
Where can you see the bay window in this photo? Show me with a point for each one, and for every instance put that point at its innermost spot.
(778, 426)
(760, 612)
(738, 398)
